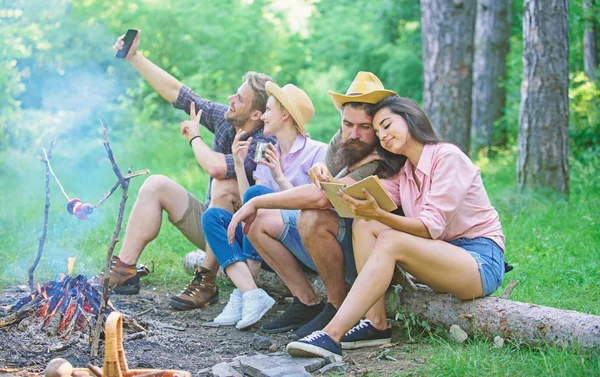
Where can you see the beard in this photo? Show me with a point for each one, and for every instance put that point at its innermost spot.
(351, 151)
(236, 119)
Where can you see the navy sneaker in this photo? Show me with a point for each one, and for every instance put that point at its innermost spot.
(317, 344)
(294, 317)
(317, 323)
(364, 335)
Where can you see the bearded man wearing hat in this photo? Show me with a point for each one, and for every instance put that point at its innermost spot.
(316, 237)
(283, 166)
(160, 194)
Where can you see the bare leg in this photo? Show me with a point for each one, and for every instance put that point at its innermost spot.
(442, 266)
(363, 240)
(241, 276)
(318, 230)
(263, 234)
(157, 193)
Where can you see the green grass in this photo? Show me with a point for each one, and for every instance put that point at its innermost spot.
(552, 242)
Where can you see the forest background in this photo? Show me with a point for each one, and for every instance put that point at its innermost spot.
(59, 77)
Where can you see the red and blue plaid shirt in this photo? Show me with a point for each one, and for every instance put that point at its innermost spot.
(213, 118)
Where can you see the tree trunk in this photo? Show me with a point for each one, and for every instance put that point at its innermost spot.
(492, 33)
(544, 115)
(447, 28)
(489, 316)
(590, 46)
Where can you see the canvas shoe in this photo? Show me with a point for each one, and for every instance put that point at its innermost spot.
(317, 344)
(364, 335)
(317, 323)
(256, 303)
(201, 292)
(232, 312)
(295, 316)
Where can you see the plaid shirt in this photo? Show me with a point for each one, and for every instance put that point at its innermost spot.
(213, 118)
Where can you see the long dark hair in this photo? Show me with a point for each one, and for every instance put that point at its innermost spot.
(419, 128)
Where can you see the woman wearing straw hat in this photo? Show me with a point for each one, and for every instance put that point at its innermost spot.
(283, 165)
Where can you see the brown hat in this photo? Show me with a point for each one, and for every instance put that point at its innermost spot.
(366, 88)
(295, 101)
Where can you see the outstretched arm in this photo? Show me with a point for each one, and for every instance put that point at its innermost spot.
(165, 84)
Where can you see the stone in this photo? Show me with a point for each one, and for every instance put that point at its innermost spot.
(457, 334)
(260, 342)
(498, 342)
(264, 365)
(194, 260)
(222, 370)
(337, 366)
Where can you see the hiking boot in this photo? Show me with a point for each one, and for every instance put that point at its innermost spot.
(318, 323)
(201, 292)
(317, 344)
(295, 316)
(364, 335)
(232, 313)
(256, 303)
(123, 279)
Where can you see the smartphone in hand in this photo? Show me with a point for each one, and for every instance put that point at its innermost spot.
(127, 41)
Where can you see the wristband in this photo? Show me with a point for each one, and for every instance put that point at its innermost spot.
(192, 139)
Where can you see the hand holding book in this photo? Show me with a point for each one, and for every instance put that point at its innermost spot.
(362, 199)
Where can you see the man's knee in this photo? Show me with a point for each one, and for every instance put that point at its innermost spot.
(224, 191)
(267, 221)
(317, 221)
(154, 186)
(214, 217)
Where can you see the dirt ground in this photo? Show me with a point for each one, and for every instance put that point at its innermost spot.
(176, 340)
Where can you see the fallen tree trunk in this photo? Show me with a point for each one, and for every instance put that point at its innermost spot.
(488, 316)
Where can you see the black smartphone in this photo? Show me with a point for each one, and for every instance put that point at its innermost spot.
(127, 41)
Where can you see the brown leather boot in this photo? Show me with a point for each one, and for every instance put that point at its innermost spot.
(201, 292)
(123, 278)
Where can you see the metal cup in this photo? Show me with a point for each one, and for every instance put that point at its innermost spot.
(261, 147)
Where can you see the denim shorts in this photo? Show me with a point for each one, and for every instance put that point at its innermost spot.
(290, 238)
(489, 258)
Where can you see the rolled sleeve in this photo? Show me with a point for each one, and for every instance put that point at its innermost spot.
(452, 176)
(212, 112)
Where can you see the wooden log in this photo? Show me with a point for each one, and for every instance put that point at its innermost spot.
(488, 316)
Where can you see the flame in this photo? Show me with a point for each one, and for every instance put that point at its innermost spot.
(70, 265)
(61, 277)
(39, 288)
(44, 294)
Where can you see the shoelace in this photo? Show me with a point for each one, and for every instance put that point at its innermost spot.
(361, 325)
(230, 307)
(192, 288)
(315, 335)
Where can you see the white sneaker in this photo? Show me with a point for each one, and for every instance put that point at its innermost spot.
(256, 303)
(232, 312)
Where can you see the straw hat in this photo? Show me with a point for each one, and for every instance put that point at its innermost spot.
(366, 88)
(295, 101)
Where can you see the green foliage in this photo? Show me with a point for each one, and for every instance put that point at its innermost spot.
(584, 106)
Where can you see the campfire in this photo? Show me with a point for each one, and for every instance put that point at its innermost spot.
(64, 305)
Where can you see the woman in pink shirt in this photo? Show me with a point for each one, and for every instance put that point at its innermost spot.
(449, 239)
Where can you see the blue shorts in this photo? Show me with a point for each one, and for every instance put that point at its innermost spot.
(290, 238)
(489, 258)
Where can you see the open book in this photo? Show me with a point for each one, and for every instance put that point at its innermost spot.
(372, 184)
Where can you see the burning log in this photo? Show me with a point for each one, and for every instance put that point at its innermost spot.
(63, 305)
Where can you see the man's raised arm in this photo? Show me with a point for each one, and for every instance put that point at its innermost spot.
(165, 84)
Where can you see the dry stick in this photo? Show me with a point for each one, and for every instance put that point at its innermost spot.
(46, 161)
(124, 183)
(118, 183)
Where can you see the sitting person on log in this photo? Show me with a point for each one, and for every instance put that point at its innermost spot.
(450, 239)
(283, 166)
(316, 237)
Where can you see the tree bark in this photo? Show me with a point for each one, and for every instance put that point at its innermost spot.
(590, 46)
(447, 29)
(492, 34)
(489, 316)
(544, 113)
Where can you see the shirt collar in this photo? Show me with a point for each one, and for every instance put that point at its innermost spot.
(425, 162)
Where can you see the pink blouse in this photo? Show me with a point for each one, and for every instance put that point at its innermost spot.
(452, 202)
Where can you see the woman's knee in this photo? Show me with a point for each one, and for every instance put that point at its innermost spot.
(254, 191)
(393, 244)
